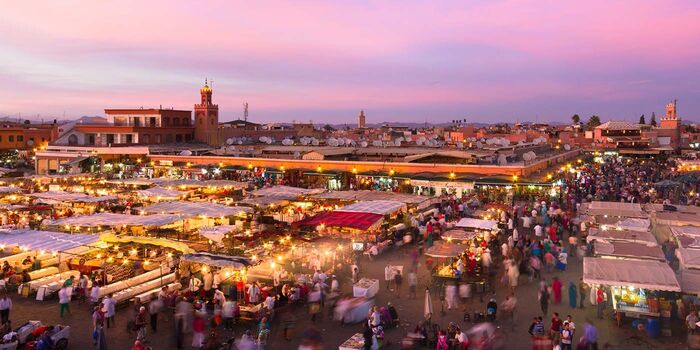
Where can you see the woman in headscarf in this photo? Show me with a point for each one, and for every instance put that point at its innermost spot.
(572, 295)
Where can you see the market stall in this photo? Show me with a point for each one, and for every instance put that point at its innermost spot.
(637, 286)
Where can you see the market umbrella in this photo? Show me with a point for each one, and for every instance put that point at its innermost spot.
(428, 310)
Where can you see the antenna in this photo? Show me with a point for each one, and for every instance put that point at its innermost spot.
(245, 111)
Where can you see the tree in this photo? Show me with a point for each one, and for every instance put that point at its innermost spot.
(575, 118)
(593, 121)
(641, 120)
(27, 121)
(652, 122)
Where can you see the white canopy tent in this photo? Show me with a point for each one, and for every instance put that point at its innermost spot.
(192, 183)
(676, 219)
(9, 189)
(690, 281)
(368, 195)
(130, 182)
(45, 240)
(617, 249)
(627, 210)
(113, 220)
(648, 274)
(216, 233)
(376, 207)
(633, 224)
(194, 208)
(622, 236)
(477, 224)
(58, 197)
(286, 192)
(160, 193)
(222, 261)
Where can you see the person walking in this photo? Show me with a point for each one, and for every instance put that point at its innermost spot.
(109, 305)
(398, 281)
(154, 308)
(556, 290)
(140, 324)
(198, 328)
(600, 302)
(5, 307)
(572, 295)
(64, 295)
(566, 337)
(582, 292)
(544, 300)
(412, 284)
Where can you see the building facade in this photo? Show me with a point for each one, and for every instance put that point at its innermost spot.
(26, 136)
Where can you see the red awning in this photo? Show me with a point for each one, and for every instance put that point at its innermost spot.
(360, 221)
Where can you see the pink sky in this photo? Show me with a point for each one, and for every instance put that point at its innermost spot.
(326, 60)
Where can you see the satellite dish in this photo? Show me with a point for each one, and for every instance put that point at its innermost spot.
(240, 142)
(304, 141)
(186, 153)
(363, 144)
(297, 155)
(377, 143)
(30, 142)
(229, 141)
(314, 142)
(460, 145)
(479, 145)
(567, 147)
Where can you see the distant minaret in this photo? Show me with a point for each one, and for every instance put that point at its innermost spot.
(362, 121)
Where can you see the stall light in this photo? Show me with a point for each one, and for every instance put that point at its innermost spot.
(272, 264)
(204, 171)
(146, 262)
(254, 257)
(228, 274)
(210, 241)
(170, 255)
(205, 269)
(282, 168)
(54, 253)
(42, 252)
(217, 171)
(391, 172)
(110, 259)
(99, 255)
(279, 258)
(133, 252)
(250, 165)
(319, 169)
(2, 247)
(125, 261)
(354, 170)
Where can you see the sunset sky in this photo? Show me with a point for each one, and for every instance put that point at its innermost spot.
(406, 60)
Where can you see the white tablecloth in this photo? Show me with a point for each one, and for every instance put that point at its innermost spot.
(365, 287)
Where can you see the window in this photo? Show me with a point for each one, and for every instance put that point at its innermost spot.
(129, 138)
(120, 121)
(158, 138)
(152, 122)
(137, 121)
(166, 121)
(11, 138)
(169, 138)
(72, 140)
(211, 120)
(110, 139)
(186, 121)
(20, 138)
(188, 137)
(178, 138)
(43, 139)
(176, 121)
(0, 138)
(91, 139)
(146, 138)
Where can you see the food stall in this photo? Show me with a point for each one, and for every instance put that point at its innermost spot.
(638, 287)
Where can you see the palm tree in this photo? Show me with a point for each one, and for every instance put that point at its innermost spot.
(593, 121)
(652, 122)
(575, 118)
(642, 120)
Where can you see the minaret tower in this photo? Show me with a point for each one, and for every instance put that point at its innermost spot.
(206, 118)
